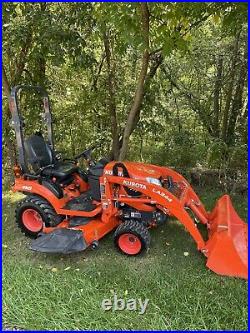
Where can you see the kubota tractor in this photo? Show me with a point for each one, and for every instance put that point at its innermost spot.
(67, 209)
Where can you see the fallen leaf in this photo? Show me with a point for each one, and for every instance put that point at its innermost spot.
(167, 243)
(186, 254)
(54, 269)
(5, 246)
(67, 268)
(77, 269)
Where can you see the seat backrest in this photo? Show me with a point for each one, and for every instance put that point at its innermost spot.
(37, 151)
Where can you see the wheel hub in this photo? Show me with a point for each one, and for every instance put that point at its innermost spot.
(129, 243)
(32, 220)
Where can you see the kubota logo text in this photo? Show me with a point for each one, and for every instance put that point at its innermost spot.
(133, 184)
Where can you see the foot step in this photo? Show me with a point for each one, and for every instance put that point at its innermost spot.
(82, 204)
(78, 220)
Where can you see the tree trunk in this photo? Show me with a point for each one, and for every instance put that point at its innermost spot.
(193, 103)
(9, 144)
(243, 128)
(230, 87)
(18, 68)
(237, 103)
(22, 59)
(135, 109)
(96, 77)
(217, 91)
(112, 103)
(6, 85)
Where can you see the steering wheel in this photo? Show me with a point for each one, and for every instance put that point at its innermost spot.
(86, 154)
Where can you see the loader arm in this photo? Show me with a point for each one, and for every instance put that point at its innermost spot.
(165, 200)
(226, 248)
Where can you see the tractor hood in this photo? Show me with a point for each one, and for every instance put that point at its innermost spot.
(136, 170)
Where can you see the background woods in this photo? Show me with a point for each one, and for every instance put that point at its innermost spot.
(163, 82)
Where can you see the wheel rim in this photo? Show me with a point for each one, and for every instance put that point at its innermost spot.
(32, 220)
(129, 243)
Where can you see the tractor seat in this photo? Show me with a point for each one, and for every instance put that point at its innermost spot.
(60, 170)
(40, 155)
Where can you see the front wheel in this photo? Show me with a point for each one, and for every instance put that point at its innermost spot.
(132, 238)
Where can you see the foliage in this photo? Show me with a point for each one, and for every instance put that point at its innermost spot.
(194, 106)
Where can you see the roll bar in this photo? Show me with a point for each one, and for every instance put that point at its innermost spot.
(17, 122)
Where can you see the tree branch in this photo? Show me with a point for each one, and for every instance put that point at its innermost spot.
(140, 84)
(112, 102)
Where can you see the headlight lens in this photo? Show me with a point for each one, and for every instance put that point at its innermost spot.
(154, 181)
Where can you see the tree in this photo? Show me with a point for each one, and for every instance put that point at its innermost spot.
(171, 76)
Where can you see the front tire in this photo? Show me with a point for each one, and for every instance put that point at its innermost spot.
(33, 213)
(132, 238)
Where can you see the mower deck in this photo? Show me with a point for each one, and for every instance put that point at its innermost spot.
(73, 236)
(63, 241)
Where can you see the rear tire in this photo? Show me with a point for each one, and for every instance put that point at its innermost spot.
(33, 213)
(132, 238)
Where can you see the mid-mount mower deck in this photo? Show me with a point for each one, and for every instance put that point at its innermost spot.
(67, 209)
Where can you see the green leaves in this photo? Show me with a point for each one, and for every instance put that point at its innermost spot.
(60, 46)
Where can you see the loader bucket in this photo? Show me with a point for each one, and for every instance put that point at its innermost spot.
(227, 245)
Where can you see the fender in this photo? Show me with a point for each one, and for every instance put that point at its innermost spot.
(33, 187)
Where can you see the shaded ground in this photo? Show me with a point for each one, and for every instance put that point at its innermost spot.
(65, 292)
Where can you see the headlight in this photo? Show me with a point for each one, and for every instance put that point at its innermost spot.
(153, 181)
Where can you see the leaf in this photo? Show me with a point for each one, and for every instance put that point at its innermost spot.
(216, 18)
(54, 270)
(67, 268)
(186, 254)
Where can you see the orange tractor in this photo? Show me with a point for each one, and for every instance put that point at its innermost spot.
(67, 209)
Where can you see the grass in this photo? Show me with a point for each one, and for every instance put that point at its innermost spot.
(65, 292)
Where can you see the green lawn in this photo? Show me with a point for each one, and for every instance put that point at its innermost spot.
(65, 292)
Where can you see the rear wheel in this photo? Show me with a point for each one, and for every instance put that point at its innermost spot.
(33, 213)
(132, 238)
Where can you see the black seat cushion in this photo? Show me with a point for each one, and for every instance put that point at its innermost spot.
(38, 152)
(60, 170)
